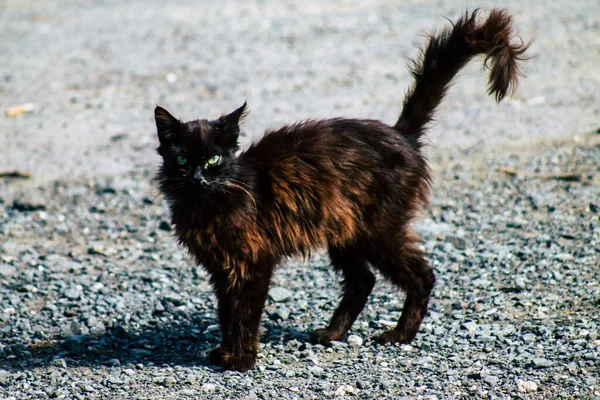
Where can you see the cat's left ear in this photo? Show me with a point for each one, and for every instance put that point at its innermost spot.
(234, 118)
(166, 124)
(230, 127)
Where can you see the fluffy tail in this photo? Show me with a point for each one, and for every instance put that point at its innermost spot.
(447, 53)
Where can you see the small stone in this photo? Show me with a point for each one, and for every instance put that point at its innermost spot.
(169, 380)
(564, 256)
(425, 360)
(70, 329)
(91, 321)
(279, 294)
(86, 387)
(281, 313)
(432, 230)
(96, 287)
(354, 341)
(174, 298)
(344, 390)
(470, 326)
(539, 362)
(527, 386)
(7, 270)
(113, 362)
(209, 387)
(316, 370)
(73, 292)
(159, 307)
(59, 362)
(98, 329)
(61, 227)
(491, 380)
(458, 242)
(529, 338)
(505, 331)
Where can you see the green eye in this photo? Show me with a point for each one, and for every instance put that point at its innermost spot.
(214, 160)
(181, 160)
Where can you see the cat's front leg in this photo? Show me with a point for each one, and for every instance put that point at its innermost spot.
(241, 303)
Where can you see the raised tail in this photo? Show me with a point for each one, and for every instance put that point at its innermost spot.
(449, 51)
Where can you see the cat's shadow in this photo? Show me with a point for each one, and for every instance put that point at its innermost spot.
(175, 345)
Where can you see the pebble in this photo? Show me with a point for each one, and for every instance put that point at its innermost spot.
(281, 313)
(527, 386)
(209, 387)
(470, 326)
(279, 294)
(169, 381)
(73, 292)
(354, 341)
(425, 360)
(70, 329)
(491, 380)
(458, 242)
(7, 271)
(345, 390)
(97, 287)
(539, 362)
(59, 362)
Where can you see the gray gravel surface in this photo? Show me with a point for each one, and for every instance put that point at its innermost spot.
(97, 301)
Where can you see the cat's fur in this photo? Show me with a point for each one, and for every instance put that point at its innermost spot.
(348, 185)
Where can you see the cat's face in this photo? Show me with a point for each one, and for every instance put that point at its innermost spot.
(197, 155)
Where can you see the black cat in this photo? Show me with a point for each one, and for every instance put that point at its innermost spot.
(348, 185)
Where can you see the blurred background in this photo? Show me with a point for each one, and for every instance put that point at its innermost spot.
(79, 80)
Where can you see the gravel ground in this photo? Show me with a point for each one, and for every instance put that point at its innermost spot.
(97, 301)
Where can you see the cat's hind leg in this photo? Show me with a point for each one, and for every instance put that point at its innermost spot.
(358, 284)
(403, 263)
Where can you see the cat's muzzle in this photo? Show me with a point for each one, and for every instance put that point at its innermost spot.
(199, 178)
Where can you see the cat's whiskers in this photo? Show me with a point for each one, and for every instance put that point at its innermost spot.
(230, 183)
(240, 182)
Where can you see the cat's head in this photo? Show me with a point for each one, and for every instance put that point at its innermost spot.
(199, 155)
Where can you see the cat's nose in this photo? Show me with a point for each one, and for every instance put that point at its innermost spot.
(199, 177)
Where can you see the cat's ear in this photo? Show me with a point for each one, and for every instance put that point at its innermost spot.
(166, 124)
(230, 127)
(234, 118)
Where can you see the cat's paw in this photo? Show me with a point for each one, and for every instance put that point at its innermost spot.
(216, 356)
(239, 363)
(393, 336)
(322, 336)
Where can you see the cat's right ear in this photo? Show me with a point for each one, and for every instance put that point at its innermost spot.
(166, 124)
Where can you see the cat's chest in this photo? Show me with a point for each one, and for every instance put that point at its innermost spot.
(222, 237)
